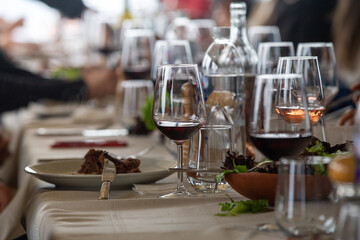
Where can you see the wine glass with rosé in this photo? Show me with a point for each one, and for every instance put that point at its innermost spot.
(309, 68)
(271, 128)
(178, 111)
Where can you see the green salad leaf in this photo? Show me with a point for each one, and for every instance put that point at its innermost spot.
(319, 149)
(147, 113)
(237, 169)
(319, 169)
(233, 208)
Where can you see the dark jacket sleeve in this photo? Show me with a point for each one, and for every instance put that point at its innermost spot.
(17, 91)
(19, 87)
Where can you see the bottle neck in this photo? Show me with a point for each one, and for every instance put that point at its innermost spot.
(238, 22)
(238, 28)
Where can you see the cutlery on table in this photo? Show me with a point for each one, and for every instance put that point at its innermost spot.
(108, 175)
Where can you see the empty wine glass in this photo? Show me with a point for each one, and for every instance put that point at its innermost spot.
(178, 110)
(137, 52)
(170, 52)
(99, 36)
(135, 23)
(130, 98)
(204, 38)
(259, 34)
(309, 68)
(304, 205)
(269, 53)
(271, 129)
(348, 220)
(327, 64)
(183, 28)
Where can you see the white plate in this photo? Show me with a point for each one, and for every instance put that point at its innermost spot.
(64, 174)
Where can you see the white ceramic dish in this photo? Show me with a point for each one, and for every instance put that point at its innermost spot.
(64, 174)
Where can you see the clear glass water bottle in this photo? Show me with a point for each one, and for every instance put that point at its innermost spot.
(224, 129)
(248, 56)
(223, 80)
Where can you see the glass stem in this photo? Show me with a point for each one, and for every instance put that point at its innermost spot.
(180, 182)
(323, 130)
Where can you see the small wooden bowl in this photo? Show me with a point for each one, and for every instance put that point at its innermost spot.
(256, 186)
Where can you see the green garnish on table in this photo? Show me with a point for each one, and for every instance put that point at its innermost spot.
(234, 208)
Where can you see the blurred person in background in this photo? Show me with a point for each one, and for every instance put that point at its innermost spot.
(6, 193)
(320, 21)
(18, 87)
(346, 34)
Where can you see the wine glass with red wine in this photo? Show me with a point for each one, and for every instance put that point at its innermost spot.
(271, 127)
(136, 55)
(178, 110)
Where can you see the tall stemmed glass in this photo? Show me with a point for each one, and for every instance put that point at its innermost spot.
(271, 131)
(136, 55)
(170, 52)
(327, 64)
(178, 110)
(307, 66)
(271, 127)
(269, 53)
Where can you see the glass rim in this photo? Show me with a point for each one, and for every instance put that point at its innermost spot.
(178, 65)
(279, 75)
(307, 159)
(272, 27)
(136, 82)
(139, 33)
(316, 44)
(172, 41)
(276, 44)
(300, 58)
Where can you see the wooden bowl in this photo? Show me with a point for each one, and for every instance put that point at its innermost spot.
(256, 186)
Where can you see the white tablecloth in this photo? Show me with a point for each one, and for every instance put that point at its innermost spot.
(51, 213)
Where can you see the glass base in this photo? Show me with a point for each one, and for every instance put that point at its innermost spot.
(267, 227)
(207, 184)
(183, 194)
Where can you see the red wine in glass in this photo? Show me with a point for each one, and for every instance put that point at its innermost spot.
(178, 131)
(277, 145)
(137, 73)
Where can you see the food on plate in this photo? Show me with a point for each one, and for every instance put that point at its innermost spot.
(94, 163)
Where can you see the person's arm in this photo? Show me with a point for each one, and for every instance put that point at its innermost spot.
(17, 91)
(6, 194)
(349, 116)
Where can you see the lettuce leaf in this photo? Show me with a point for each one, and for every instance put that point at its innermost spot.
(233, 208)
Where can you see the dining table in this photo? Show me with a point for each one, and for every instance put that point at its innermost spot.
(43, 210)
